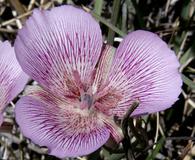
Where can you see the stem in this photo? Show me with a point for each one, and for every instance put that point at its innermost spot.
(115, 13)
(127, 141)
(105, 22)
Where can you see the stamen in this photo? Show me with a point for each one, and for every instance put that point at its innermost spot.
(92, 77)
(78, 82)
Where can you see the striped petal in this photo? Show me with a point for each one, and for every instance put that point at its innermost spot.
(64, 129)
(103, 67)
(145, 69)
(12, 78)
(53, 44)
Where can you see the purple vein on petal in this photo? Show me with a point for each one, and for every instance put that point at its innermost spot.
(12, 78)
(145, 69)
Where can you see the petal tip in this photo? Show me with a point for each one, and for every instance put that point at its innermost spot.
(148, 69)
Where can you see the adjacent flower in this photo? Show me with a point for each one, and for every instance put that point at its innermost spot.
(84, 84)
(12, 78)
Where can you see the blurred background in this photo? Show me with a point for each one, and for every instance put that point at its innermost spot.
(167, 135)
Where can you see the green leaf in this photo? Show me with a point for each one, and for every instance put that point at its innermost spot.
(105, 22)
(110, 156)
(139, 13)
(114, 17)
(124, 18)
(185, 10)
(156, 150)
(188, 82)
(117, 156)
(98, 6)
(190, 53)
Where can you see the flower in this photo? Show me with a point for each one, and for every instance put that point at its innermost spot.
(85, 84)
(12, 78)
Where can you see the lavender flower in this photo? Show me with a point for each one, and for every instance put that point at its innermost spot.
(12, 78)
(85, 84)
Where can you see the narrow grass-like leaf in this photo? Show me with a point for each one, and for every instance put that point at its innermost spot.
(188, 54)
(156, 150)
(98, 6)
(114, 17)
(190, 70)
(124, 17)
(105, 22)
(188, 82)
(185, 10)
(138, 12)
(117, 156)
(112, 156)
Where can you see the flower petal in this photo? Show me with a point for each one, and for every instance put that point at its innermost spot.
(1, 119)
(66, 131)
(103, 67)
(55, 43)
(12, 78)
(145, 69)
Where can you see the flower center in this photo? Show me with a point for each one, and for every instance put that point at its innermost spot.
(104, 100)
(86, 101)
(96, 106)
